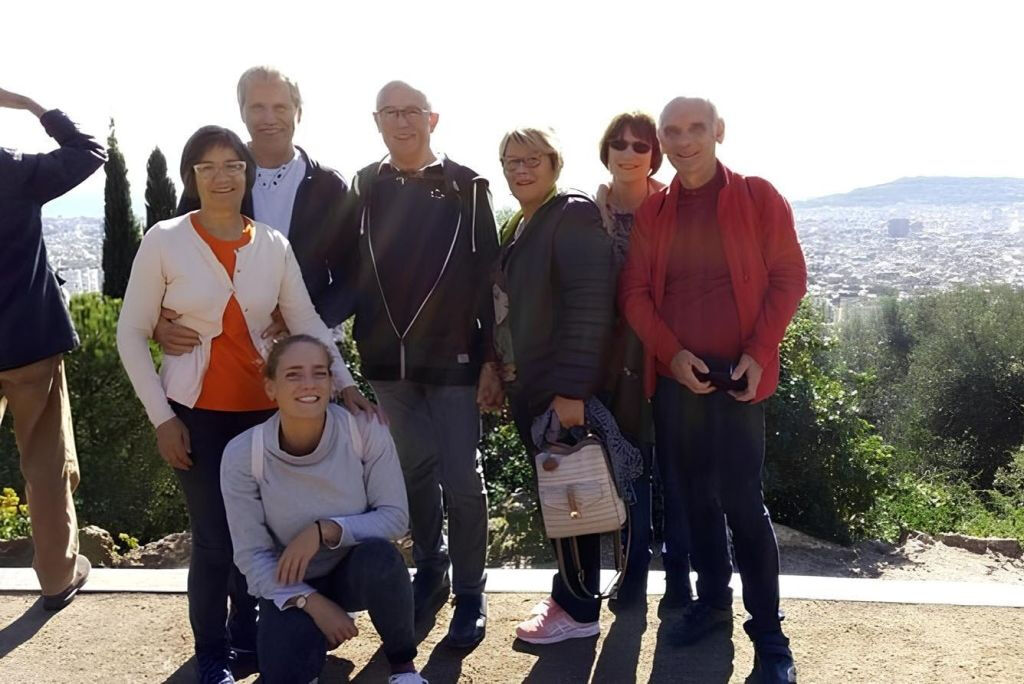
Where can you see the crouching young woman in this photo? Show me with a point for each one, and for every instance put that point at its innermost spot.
(313, 497)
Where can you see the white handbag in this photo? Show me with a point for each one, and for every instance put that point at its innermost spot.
(579, 496)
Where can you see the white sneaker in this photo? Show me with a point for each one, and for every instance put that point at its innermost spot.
(407, 678)
(550, 624)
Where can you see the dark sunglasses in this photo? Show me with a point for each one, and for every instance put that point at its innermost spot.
(639, 146)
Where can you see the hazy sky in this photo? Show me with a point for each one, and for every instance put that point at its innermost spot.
(818, 97)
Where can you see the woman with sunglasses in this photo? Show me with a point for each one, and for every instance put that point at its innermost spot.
(553, 316)
(630, 151)
(224, 274)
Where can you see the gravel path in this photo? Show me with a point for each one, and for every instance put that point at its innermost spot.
(145, 638)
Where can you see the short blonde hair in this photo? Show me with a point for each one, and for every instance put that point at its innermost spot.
(267, 73)
(542, 139)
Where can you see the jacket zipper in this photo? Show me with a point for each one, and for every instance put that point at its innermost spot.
(365, 228)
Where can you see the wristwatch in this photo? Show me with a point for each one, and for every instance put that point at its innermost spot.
(300, 603)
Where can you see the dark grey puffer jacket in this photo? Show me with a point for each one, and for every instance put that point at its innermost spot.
(561, 291)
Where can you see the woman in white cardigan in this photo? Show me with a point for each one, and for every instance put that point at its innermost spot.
(225, 274)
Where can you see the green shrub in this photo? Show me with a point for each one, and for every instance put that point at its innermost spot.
(825, 466)
(14, 522)
(506, 466)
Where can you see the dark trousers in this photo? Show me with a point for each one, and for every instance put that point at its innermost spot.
(566, 588)
(713, 446)
(372, 577)
(212, 575)
(638, 535)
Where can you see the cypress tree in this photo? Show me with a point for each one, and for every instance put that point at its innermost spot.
(161, 199)
(121, 234)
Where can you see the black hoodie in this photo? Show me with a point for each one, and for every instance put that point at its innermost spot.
(416, 254)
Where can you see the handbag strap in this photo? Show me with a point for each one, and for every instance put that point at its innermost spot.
(621, 560)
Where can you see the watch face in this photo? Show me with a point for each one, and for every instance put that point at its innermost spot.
(300, 603)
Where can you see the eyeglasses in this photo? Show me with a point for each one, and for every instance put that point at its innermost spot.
(639, 146)
(410, 114)
(511, 163)
(207, 170)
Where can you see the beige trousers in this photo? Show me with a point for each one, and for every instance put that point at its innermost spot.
(38, 398)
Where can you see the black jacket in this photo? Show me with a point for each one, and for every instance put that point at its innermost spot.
(316, 221)
(561, 289)
(34, 321)
(450, 336)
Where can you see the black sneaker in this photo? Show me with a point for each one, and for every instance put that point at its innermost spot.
(773, 668)
(632, 593)
(677, 595)
(699, 620)
(469, 623)
(213, 669)
(64, 598)
(429, 592)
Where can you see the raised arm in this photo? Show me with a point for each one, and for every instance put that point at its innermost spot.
(47, 176)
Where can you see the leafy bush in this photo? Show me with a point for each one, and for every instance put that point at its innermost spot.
(14, 522)
(506, 466)
(945, 378)
(825, 466)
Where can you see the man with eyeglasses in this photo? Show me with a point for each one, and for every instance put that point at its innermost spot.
(419, 244)
(35, 332)
(713, 277)
(293, 193)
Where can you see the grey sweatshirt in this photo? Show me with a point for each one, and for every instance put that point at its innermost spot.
(363, 493)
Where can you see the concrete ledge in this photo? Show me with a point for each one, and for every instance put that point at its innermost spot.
(503, 580)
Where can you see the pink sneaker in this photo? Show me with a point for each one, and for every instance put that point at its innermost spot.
(550, 624)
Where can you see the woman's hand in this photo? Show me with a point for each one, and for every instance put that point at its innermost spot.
(355, 401)
(569, 411)
(329, 617)
(295, 559)
(174, 444)
(291, 566)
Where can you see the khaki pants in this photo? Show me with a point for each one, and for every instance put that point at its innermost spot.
(38, 397)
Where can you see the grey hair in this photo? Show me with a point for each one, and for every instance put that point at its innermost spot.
(267, 73)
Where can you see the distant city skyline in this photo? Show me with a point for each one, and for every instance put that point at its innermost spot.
(819, 98)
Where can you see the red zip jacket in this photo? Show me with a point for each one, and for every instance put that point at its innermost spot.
(766, 265)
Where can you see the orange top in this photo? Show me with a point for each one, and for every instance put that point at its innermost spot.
(234, 377)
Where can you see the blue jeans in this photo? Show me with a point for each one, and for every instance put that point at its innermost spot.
(212, 575)
(713, 447)
(372, 577)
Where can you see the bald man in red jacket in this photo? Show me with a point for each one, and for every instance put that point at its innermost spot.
(713, 277)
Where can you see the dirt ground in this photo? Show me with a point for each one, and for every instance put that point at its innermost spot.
(145, 638)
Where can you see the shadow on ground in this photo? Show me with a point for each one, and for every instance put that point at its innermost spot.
(24, 628)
